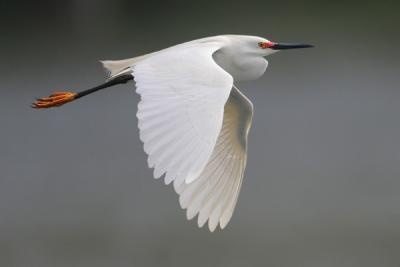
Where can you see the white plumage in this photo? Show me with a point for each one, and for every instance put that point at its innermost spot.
(194, 122)
(191, 132)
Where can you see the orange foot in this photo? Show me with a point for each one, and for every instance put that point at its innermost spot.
(55, 100)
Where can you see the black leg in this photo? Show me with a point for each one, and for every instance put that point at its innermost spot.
(118, 80)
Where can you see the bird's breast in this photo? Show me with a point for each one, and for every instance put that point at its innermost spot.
(243, 68)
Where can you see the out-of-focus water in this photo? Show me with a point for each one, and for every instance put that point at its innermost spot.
(322, 181)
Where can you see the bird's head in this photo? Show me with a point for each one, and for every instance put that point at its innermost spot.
(262, 47)
(243, 56)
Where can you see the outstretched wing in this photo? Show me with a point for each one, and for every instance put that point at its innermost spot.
(214, 194)
(183, 93)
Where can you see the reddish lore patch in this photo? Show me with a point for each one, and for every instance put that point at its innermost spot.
(265, 45)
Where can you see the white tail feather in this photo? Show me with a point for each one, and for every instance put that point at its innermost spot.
(115, 67)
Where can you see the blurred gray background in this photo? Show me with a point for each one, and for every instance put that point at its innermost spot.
(322, 181)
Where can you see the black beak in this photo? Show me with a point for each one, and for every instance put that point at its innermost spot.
(282, 46)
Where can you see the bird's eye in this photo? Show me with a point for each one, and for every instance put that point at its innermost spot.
(263, 45)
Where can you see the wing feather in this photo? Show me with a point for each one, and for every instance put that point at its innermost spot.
(214, 194)
(194, 129)
(181, 109)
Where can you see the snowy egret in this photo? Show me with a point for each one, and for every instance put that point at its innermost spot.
(193, 120)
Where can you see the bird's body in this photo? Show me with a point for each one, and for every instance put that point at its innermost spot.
(233, 56)
(193, 120)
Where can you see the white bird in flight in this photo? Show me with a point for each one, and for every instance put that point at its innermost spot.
(193, 120)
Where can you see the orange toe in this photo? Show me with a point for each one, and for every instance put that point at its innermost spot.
(54, 100)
